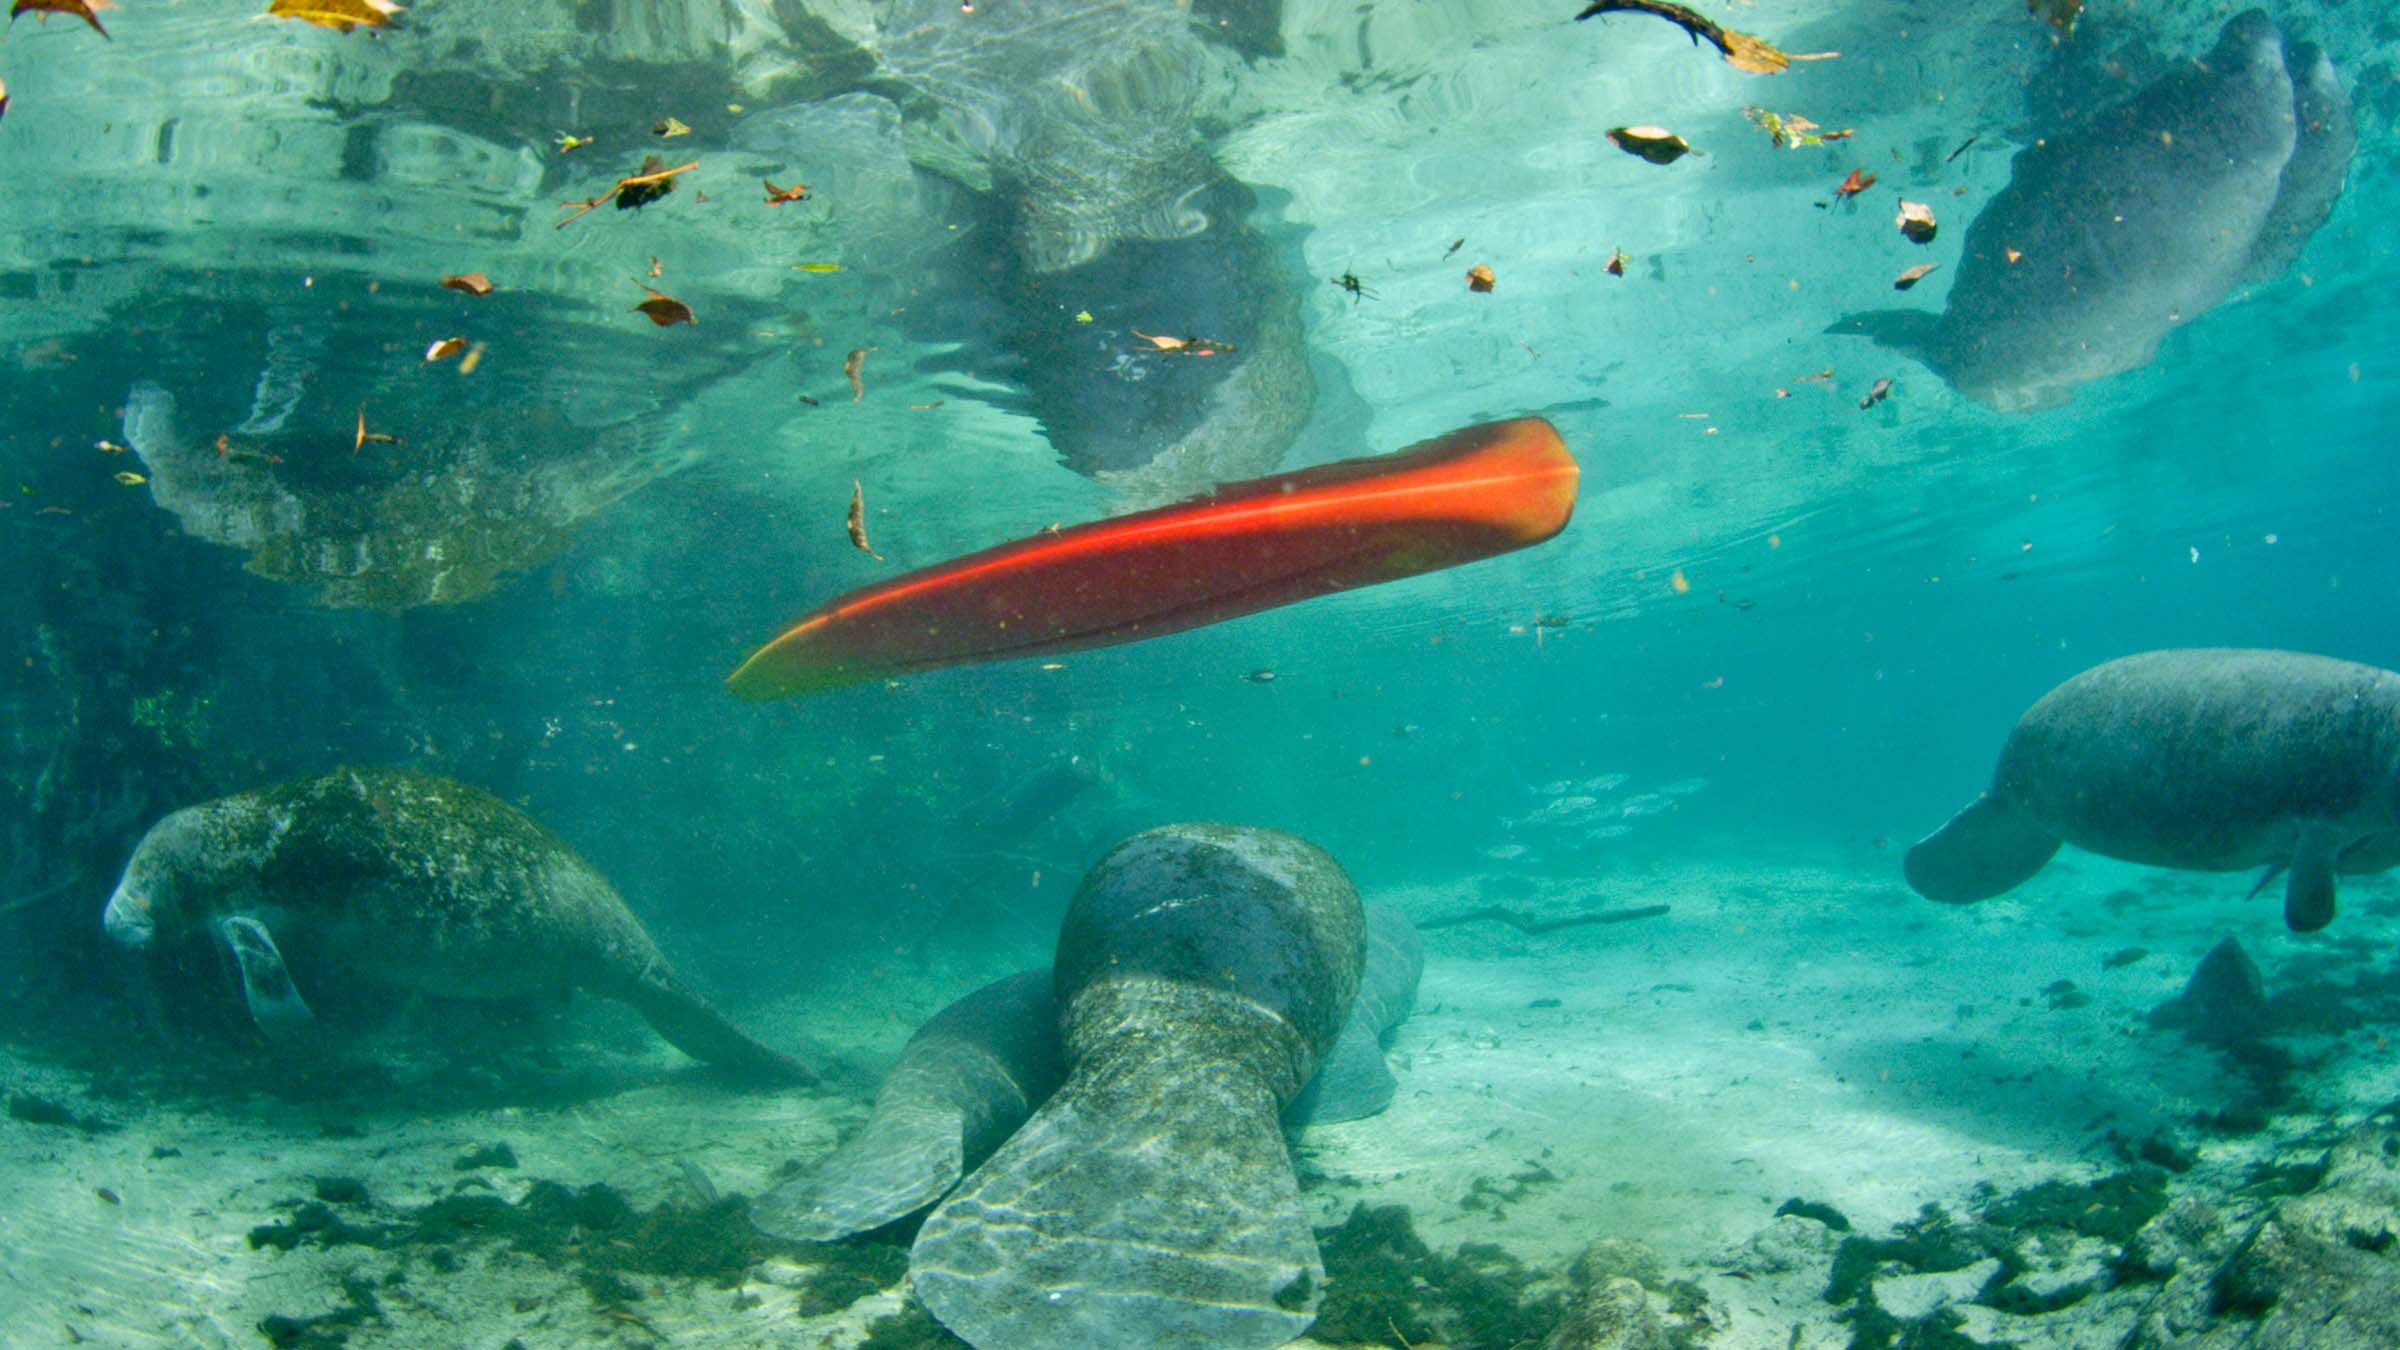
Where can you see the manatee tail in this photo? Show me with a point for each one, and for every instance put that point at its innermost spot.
(899, 1164)
(1988, 848)
(1903, 330)
(698, 1030)
(1129, 1211)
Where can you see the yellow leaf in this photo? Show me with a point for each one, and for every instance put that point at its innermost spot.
(816, 267)
(339, 15)
(129, 478)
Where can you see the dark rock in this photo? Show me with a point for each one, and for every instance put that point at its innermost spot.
(2225, 1001)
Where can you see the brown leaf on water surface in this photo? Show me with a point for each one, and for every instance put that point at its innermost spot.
(665, 310)
(1913, 275)
(797, 192)
(1858, 181)
(473, 283)
(339, 15)
(669, 129)
(640, 190)
(1916, 221)
(852, 364)
(1741, 51)
(3, 98)
(445, 349)
(1655, 144)
(1480, 279)
(365, 437)
(1182, 346)
(858, 521)
(2059, 14)
(1617, 258)
(86, 10)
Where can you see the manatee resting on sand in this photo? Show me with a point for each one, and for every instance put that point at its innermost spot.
(964, 1082)
(2109, 236)
(417, 882)
(2213, 759)
(1202, 971)
(970, 1076)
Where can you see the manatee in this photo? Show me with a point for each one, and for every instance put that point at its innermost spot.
(969, 1077)
(2327, 136)
(964, 1082)
(2213, 759)
(2109, 236)
(1202, 972)
(411, 881)
(1354, 1082)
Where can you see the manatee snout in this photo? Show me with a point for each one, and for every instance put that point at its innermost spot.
(128, 918)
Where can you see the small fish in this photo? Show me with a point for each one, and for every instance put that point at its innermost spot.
(110, 1196)
(703, 1186)
(1607, 782)
(1558, 789)
(1504, 852)
(1684, 787)
(858, 521)
(1876, 393)
(1261, 676)
(852, 364)
(1455, 246)
(1611, 832)
(2123, 957)
(1647, 804)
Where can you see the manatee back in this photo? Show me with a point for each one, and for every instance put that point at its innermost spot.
(2185, 757)
(430, 884)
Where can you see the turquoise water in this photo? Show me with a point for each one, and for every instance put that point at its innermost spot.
(1814, 620)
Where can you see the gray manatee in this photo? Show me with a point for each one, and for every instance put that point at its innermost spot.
(2213, 759)
(1202, 973)
(415, 882)
(2327, 137)
(973, 1073)
(2108, 237)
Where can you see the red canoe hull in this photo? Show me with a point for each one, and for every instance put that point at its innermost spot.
(1472, 494)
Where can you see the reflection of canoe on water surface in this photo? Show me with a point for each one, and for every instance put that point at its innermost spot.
(1472, 494)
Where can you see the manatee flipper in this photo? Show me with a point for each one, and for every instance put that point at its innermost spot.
(966, 1080)
(1908, 331)
(1129, 1210)
(275, 1002)
(1984, 850)
(686, 1022)
(2308, 891)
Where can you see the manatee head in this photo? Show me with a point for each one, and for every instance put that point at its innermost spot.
(173, 882)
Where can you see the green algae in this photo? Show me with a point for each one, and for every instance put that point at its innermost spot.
(1382, 1280)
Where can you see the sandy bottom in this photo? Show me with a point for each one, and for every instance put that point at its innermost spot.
(1780, 1033)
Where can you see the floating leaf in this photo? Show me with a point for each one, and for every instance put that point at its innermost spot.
(1655, 144)
(365, 437)
(473, 283)
(3, 98)
(339, 15)
(1962, 147)
(445, 349)
(86, 10)
(110, 447)
(858, 516)
(797, 192)
(129, 478)
(473, 358)
(1617, 258)
(1858, 181)
(1741, 51)
(1792, 131)
(669, 129)
(2059, 14)
(817, 267)
(852, 364)
(665, 310)
(1876, 393)
(1183, 346)
(1480, 279)
(567, 141)
(1913, 275)
(640, 190)
(2012, 255)
(1083, 316)
(1916, 221)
